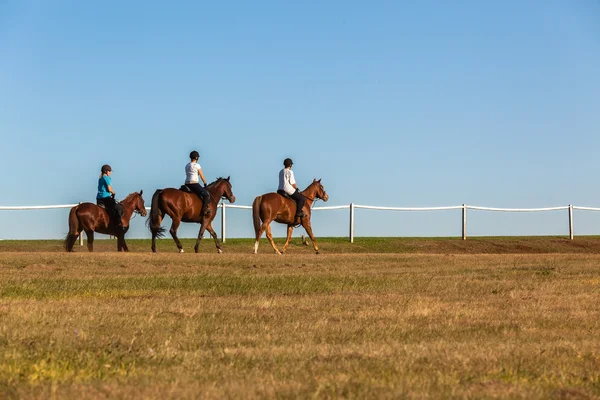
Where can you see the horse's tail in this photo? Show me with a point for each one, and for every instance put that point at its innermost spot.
(256, 215)
(155, 216)
(74, 230)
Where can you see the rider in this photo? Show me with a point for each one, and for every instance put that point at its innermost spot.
(106, 195)
(192, 171)
(287, 185)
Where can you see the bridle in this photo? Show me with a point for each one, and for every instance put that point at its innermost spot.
(224, 195)
(316, 197)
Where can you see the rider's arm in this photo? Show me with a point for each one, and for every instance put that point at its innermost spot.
(292, 180)
(108, 183)
(201, 175)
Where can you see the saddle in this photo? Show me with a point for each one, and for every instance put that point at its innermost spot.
(284, 195)
(186, 189)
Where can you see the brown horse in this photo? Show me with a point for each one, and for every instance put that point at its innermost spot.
(90, 218)
(274, 207)
(185, 207)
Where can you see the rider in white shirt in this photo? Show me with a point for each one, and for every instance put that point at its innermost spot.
(287, 185)
(192, 172)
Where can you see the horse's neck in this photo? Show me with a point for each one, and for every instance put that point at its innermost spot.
(215, 193)
(127, 208)
(310, 193)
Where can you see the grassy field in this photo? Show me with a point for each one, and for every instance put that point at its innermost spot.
(396, 245)
(358, 321)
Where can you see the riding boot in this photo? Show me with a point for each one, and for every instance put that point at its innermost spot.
(299, 213)
(118, 223)
(118, 214)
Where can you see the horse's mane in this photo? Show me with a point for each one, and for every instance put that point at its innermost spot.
(129, 197)
(212, 184)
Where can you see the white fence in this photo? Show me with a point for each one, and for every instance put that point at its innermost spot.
(352, 207)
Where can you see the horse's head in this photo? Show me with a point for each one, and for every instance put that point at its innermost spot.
(222, 188)
(318, 190)
(137, 202)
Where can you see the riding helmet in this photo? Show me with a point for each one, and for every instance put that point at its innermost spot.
(106, 168)
(194, 155)
(287, 162)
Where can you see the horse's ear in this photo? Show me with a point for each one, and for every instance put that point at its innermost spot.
(228, 178)
(141, 191)
(319, 180)
(314, 180)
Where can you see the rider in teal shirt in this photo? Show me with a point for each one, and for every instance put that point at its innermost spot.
(105, 196)
(103, 183)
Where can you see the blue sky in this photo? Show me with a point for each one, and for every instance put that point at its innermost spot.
(391, 103)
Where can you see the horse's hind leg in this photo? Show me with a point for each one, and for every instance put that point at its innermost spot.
(270, 237)
(71, 239)
(259, 233)
(173, 232)
(90, 240)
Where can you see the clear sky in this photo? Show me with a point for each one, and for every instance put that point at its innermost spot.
(391, 103)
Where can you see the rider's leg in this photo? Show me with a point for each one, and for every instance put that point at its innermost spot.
(300, 200)
(205, 202)
(202, 194)
(111, 208)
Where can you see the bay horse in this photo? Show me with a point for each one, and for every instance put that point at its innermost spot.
(90, 218)
(274, 207)
(184, 206)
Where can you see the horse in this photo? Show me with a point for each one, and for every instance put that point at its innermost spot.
(184, 206)
(90, 218)
(275, 207)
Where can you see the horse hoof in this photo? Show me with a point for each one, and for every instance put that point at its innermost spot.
(316, 252)
(181, 250)
(219, 251)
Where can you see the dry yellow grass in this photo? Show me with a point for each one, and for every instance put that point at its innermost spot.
(109, 325)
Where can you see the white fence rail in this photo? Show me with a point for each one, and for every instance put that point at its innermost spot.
(352, 207)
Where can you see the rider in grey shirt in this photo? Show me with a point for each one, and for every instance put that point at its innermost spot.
(287, 185)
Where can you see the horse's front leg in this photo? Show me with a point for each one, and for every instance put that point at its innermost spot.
(308, 228)
(290, 228)
(200, 234)
(124, 245)
(214, 236)
(119, 242)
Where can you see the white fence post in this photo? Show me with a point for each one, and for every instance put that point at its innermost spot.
(464, 222)
(571, 221)
(222, 222)
(351, 222)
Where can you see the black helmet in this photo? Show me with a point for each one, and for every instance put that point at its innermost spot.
(106, 168)
(287, 162)
(194, 155)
